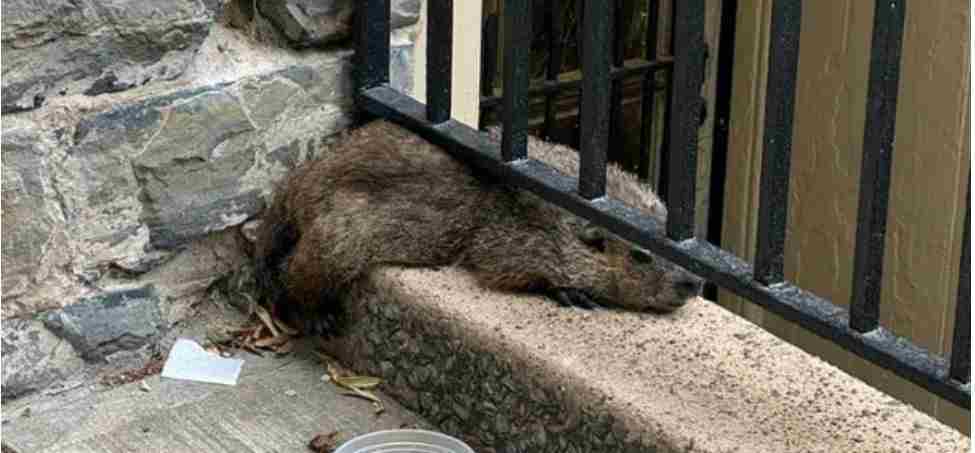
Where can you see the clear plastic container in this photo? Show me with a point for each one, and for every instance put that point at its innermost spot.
(404, 441)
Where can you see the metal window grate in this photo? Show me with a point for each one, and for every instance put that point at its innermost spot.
(857, 330)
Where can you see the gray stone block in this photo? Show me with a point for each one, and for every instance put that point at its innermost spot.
(190, 173)
(119, 320)
(310, 23)
(58, 47)
(34, 358)
(32, 215)
(105, 192)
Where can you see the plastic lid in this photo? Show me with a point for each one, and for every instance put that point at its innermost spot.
(404, 441)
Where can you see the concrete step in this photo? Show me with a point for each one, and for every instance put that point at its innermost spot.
(278, 405)
(512, 373)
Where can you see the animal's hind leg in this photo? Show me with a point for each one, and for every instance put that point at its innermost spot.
(310, 304)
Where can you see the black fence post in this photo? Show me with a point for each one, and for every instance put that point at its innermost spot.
(773, 208)
(596, 86)
(878, 151)
(648, 91)
(722, 129)
(961, 342)
(489, 62)
(372, 53)
(440, 38)
(553, 29)
(617, 143)
(687, 105)
(517, 47)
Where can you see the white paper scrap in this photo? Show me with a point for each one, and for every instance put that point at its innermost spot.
(189, 361)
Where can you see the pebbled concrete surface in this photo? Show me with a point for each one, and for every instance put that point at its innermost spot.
(278, 405)
(514, 373)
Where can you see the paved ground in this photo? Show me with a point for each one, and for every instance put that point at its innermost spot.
(278, 405)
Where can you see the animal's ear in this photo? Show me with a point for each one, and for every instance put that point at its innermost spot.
(593, 236)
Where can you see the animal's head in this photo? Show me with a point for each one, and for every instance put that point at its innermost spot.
(640, 280)
(637, 280)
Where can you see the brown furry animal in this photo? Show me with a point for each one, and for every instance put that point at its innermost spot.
(384, 196)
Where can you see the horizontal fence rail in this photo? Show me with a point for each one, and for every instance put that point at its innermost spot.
(547, 87)
(855, 330)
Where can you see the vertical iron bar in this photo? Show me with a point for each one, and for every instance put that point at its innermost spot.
(489, 54)
(780, 95)
(440, 38)
(517, 47)
(722, 129)
(372, 54)
(961, 342)
(489, 62)
(616, 138)
(878, 139)
(648, 91)
(594, 136)
(687, 105)
(553, 27)
(661, 171)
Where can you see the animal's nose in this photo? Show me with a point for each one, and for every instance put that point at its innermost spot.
(689, 286)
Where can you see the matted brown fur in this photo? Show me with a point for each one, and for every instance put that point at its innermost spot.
(382, 195)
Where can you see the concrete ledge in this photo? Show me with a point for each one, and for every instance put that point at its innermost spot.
(512, 373)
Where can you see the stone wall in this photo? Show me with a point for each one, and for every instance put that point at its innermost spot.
(138, 139)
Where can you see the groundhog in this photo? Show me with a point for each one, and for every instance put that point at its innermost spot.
(382, 195)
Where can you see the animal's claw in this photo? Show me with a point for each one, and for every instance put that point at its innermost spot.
(574, 297)
(312, 321)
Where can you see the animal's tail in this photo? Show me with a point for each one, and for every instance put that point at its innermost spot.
(276, 238)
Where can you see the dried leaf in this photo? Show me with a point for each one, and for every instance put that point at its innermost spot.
(265, 317)
(242, 331)
(365, 394)
(251, 349)
(358, 382)
(257, 333)
(284, 348)
(285, 328)
(271, 341)
(357, 386)
(332, 371)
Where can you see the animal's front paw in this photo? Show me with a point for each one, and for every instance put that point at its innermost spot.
(318, 324)
(573, 297)
(322, 320)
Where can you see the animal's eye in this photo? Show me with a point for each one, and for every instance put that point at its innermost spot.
(641, 256)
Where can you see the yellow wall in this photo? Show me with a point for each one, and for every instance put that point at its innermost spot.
(930, 171)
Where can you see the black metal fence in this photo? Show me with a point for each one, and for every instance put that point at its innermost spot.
(857, 330)
(557, 45)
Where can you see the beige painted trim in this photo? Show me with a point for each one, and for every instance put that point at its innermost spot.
(466, 81)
